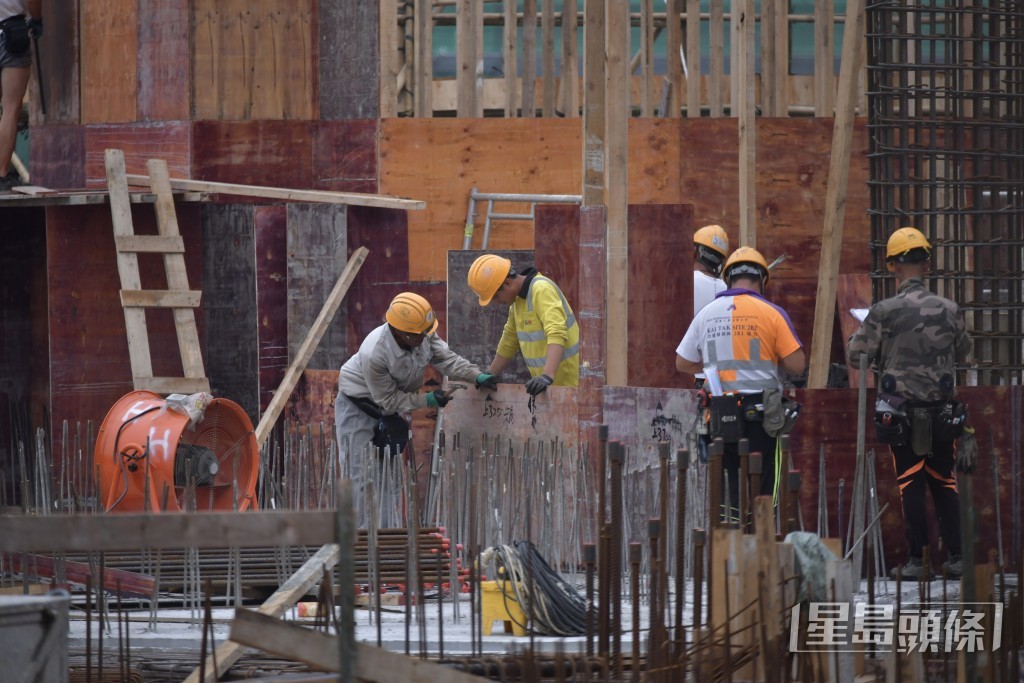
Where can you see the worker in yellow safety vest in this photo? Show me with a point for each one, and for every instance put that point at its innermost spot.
(541, 324)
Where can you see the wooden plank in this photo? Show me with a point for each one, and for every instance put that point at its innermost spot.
(770, 586)
(164, 61)
(114, 580)
(128, 265)
(673, 44)
(547, 33)
(388, 39)
(349, 58)
(109, 67)
(320, 651)
(177, 277)
(468, 53)
(716, 55)
(356, 198)
(317, 242)
(155, 531)
(172, 385)
(424, 73)
(693, 59)
(529, 80)
(154, 244)
(769, 70)
(824, 61)
(780, 10)
(33, 190)
(839, 578)
(159, 298)
(743, 110)
(646, 55)
(570, 85)
(316, 332)
(594, 104)
(838, 176)
(509, 47)
(616, 192)
(297, 585)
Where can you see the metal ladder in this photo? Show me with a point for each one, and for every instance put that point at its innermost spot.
(490, 198)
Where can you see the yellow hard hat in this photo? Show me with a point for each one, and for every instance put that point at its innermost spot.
(486, 275)
(713, 237)
(410, 312)
(902, 242)
(746, 261)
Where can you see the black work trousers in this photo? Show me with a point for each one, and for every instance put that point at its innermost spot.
(759, 442)
(915, 474)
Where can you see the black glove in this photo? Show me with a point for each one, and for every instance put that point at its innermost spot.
(538, 385)
(486, 381)
(967, 452)
(438, 399)
(35, 27)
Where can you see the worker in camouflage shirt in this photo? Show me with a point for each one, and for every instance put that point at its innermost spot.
(914, 340)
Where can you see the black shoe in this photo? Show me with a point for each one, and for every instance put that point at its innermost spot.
(954, 567)
(913, 569)
(10, 180)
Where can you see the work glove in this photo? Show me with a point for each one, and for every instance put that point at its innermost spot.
(485, 381)
(703, 398)
(538, 385)
(967, 452)
(35, 27)
(438, 399)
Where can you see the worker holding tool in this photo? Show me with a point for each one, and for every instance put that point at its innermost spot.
(20, 21)
(541, 324)
(915, 339)
(380, 381)
(741, 341)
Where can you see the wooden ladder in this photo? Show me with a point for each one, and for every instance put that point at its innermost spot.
(136, 300)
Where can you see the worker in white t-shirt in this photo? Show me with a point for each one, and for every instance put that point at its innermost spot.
(710, 249)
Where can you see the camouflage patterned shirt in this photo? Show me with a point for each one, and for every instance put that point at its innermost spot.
(914, 338)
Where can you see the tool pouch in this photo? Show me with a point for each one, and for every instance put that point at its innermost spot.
(780, 413)
(949, 423)
(891, 428)
(727, 420)
(16, 37)
(921, 430)
(392, 433)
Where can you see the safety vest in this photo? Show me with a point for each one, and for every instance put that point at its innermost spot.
(544, 317)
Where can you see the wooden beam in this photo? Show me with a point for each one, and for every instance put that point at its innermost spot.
(547, 51)
(646, 54)
(593, 103)
(693, 77)
(352, 198)
(316, 332)
(388, 40)
(116, 532)
(172, 385)
(510, 44)
(424, 59)
(769, 69)
(570, 99)
(297, 585)
(835, 199)
(716, 55)
(320, 651)
(152, 244)
(743, 78)
(824, 60)
(674, 69)
(159, 298)
(618, 109)
(468, 14)
(529, 87)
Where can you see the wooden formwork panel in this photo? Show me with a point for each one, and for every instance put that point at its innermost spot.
(164, 61)
(110, 60)
(509, 414)
(252, 59)
(275, 153)
(440, 160)
(386, 268)
(61, 61)
(345, 156)
(349, 60)
(57, 156)
(170, 141)
(270, 229)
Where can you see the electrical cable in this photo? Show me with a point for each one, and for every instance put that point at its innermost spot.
(553, 606)
(126, 456)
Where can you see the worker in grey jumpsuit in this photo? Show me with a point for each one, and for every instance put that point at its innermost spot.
(379, 383)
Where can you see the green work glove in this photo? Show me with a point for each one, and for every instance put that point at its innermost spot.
(485, 381)
(538, 385)
(967, 452)
(437, 399)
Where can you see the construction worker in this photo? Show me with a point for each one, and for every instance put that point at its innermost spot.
(541, 324)
(20, 20)
(381, 380)
(741, 341)
(915, 339)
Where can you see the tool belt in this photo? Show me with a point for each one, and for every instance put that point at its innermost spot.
(730, 414)
(16, 37)
(391, 432)
(918, 424)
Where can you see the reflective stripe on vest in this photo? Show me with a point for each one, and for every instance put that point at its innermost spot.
(540, 335)
(752, 375)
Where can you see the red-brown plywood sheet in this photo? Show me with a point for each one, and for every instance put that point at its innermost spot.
(345, 156)
(556, 229)
(164, 60)
(270, 223)
(57, 156)
(110, 44)
(252, 59)
(169, 141)
(386, 268)
(275, 153)
(60, 53)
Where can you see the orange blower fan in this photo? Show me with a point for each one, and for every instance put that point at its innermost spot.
(182, 453)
